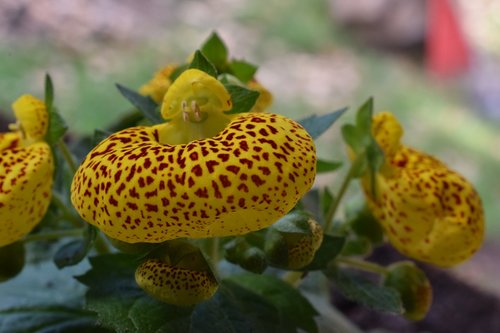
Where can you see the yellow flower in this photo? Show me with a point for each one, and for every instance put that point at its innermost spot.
(159, 84)
(265, 98)
(429, 212)
(202, 174)
(26, 168)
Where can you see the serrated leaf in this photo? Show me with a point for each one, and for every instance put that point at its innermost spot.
(327, 166)
(48, 318)
(112, 290)
(243, 99)
(294, 309)
(76, 250)
(317, 125)
(330, 248)
(215, 51)
(143, 103)
(243, 70)
(364, 291)
(203, 64)
(234, 309)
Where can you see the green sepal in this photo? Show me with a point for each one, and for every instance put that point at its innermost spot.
(145, 104)
(243, 98)
(317, 125)
(243, 70)
(216, 52)
(203, 64)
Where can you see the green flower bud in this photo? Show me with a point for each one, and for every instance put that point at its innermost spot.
(293, 241)
(177, 274)
(239, 251)
(11, 260)
(414, 287)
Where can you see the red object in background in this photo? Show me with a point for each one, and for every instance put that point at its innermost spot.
(447, 53)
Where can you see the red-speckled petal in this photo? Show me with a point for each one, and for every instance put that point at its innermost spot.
(136, 189)
(25, 189)
(429, 212)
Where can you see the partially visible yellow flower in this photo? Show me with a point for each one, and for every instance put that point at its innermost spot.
(202, 174)
(265, 98)
(26, 168)
(429, 212)
(159, 84)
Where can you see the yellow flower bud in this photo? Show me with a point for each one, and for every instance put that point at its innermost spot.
(175, 285)
(26, 168)
(429, 212)
(152, 184)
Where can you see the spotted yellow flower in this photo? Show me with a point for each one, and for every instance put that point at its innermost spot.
(201, 174)
(429, 212)
(159, 84)
(26, 168)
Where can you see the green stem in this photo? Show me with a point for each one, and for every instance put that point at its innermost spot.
(67, 214)
(362, 265)
(54, 235)
(343, 188)
(67, 156)
(101, 246)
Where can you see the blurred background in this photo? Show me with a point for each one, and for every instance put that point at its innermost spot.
(434, 63)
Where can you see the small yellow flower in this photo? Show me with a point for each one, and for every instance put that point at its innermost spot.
(201, 174)
(159, 84)
(26, 168)
(429, 212)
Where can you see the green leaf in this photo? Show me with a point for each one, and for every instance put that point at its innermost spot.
(294, 222)
(57, 127)
(49, 92)
(363, 223)
(203, 64)
(317, 125)
(364, 291)
(76, 250)
(364, 117)
(353, 138)
(178, 71)
(99, 135)
(216, 51)
(327, 199)
(330, 248)
(113, 291)
(144, 103)
(243, 99)
(243, 70)
(293, 308)
(235, 309)
(327, 166)
(48, 318)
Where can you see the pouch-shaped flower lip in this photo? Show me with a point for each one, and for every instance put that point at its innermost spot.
(26, 168)
(136, 189)
(140, 185)
(429, 212)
